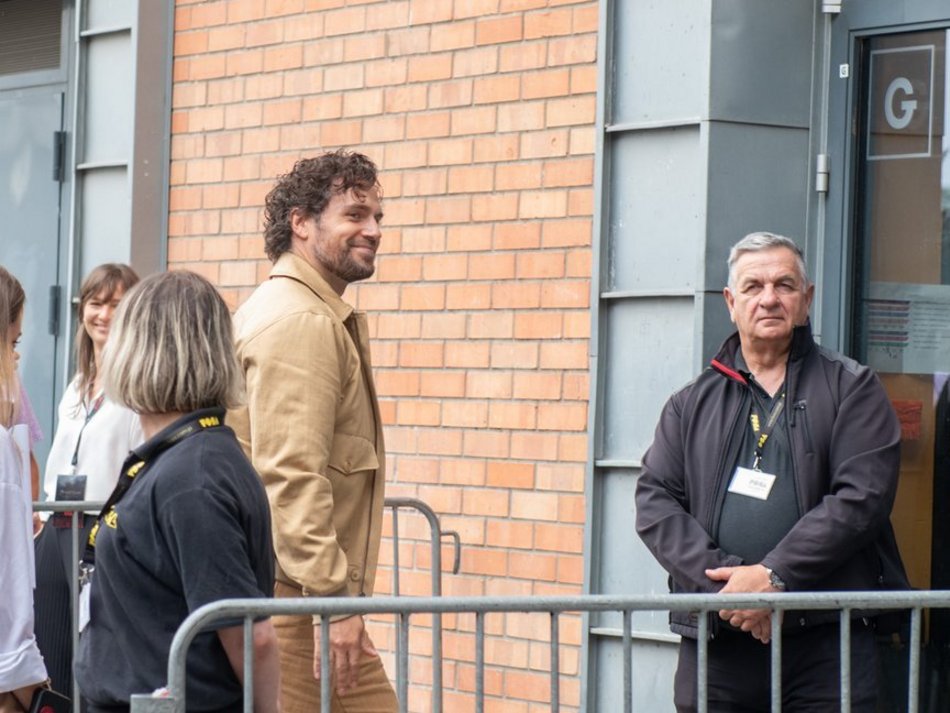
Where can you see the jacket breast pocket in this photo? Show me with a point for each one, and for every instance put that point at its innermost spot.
(352, 454)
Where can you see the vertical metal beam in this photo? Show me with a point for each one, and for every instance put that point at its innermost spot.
(74, 595)
(403, 654)
(396, 551)
(400, 671)
(627, 663)
(592, 484)
(248, 664)
(480, 662)
(844, 641)
(702, 662)
(913, 674)
(555, 664)
(776, 675)
(326, 673)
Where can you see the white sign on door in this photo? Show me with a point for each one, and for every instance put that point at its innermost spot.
(900, 110)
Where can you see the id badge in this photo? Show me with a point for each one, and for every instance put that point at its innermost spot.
(71, 487)
(752, 483)
(84, 604)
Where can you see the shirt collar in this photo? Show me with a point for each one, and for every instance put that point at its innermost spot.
(296, 268)
(169, 435)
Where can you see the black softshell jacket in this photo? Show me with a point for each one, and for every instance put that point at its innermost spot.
(845, 443)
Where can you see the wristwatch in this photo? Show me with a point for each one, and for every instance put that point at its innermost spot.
(775, 580)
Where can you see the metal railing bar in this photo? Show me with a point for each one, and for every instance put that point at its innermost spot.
(395, 537)
(400, 671)
(326, 674)
(844, 657)
(74, 595)
(75, 507)
(248, 664)
(403, 681)
(480, 662)
(707, 604)
(457, 549)
(702, 659)
(914, 670)
(627, 663)
(785, 601)
(775, 620)
(435, 536)
(555, 664)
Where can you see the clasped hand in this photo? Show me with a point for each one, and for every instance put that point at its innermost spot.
(745, 580)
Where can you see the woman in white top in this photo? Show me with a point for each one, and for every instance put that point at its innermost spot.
(93, 437)
(21, 666)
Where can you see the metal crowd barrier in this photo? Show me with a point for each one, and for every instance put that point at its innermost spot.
(395, 504)
(72, 506)
(848, 604)
(436, 534)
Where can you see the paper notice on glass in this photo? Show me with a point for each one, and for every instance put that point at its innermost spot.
(908, 328)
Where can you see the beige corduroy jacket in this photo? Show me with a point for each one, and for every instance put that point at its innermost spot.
(311, 427)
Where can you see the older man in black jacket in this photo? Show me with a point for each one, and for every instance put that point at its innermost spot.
(774, 470)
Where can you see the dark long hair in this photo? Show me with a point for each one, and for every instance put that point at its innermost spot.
(103, 280)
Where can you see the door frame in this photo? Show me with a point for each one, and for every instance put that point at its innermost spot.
(54, 81)
(857, 22)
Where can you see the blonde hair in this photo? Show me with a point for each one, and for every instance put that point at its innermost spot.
(170, 348)
(12, 299)
(104, 280)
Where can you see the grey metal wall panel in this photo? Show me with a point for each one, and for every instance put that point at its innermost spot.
(625, 564)
(105, 218)
(648, 355)
(109, 107)
(660, 54)
(758, 74)
(652, 667)
(884, 13)
(758, 180)
(714, 325)
(102, 14)
(656, 210)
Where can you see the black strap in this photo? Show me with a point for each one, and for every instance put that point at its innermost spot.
(764, 433)
(138, 462)
(96, 405)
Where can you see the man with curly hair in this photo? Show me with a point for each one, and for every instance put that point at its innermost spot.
(312, 426)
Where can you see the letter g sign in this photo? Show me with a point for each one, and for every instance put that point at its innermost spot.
(907, 106)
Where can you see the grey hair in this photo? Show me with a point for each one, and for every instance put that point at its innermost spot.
(171, 349)
(755, 242)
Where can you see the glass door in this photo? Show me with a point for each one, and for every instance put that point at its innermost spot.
(901, 304)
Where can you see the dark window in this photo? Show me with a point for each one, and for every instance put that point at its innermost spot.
(29, 35)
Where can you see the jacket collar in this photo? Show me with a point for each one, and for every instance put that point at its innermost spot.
(296, 268)
(725, 361)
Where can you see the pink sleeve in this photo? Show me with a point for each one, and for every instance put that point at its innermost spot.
(28, 417)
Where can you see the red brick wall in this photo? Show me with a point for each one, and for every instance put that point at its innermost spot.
(481, 115)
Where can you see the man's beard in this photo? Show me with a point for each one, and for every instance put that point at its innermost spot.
(343, 265)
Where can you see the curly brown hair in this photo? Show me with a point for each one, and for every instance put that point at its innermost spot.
(309, 187)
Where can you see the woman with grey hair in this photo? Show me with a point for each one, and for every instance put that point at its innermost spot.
(188, 522)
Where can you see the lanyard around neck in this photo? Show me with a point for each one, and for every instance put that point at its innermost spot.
(762, 434)
(93, 410)
(134, 466)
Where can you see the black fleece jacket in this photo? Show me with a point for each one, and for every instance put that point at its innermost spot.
(845, 443)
